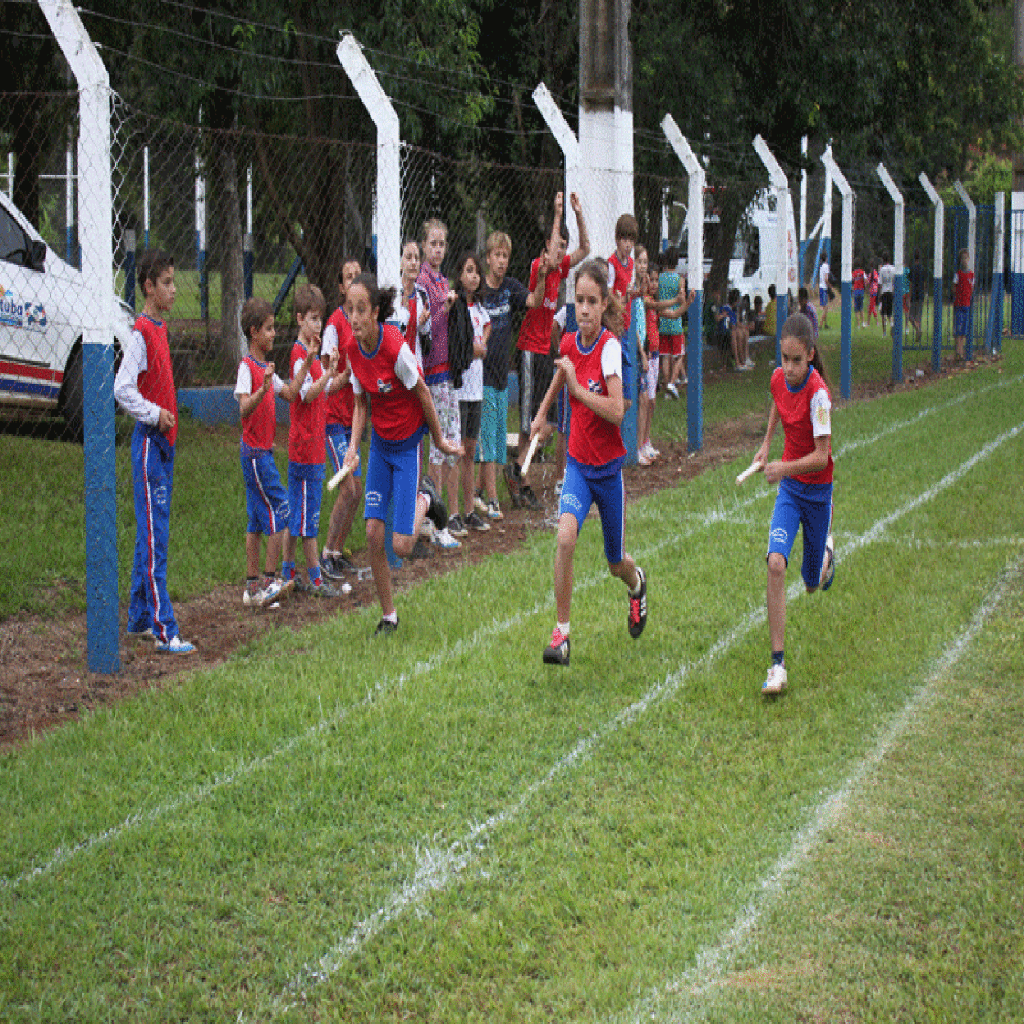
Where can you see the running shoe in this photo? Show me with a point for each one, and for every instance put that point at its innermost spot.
(638, 607)
(437, 513)
(141, 633)
(456, 527)
(475, 522)
(776, 681)
(494, 511)
(326, 589)
(557, 652)
(176, 646)
(444, 539)
(479, 501)
(672, 391)
(385, 628)
(330, 566)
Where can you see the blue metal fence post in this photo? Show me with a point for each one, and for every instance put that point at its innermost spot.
(102, 623)
(897, 329)
(695, 375)
(939, 241)
(129, 267)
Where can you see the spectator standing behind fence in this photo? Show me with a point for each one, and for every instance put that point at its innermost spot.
(256, 386)
(469, 275)
(963, 290)
(440, 297)
(621, 266)
(918, 285)
(536, 363)
(144, 388)
(886, 285)
(824, 290)
(401, 410)
(338, 436)
(771, 312)
(801, 402)
(859, 284)
(504, 298)
(590, 363)
(307, 432)
(807, 308)
(672, 347)
(412, 310)
(873, 293)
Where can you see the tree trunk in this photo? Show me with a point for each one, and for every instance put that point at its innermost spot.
(228, 233)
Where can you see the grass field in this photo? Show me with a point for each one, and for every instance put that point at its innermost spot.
(436, 827)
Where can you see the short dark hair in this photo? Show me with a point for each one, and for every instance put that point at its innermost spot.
(152, 263)
(309, 297)
(627, 227)
(254, 314)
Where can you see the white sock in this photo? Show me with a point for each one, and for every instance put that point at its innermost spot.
(393, 617)
(563, 628)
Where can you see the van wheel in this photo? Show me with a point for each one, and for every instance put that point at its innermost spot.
(72, 397)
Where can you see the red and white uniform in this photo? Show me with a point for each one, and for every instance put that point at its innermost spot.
(388, 375)
(155, 383)
(535, 334)
(620, 277)
(805, 414)
(593, 440)
(859, 280)
(258, 427)
(963, 287)
(340, 403)
(308, 419)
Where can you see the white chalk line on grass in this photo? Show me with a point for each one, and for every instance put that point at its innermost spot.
(384, 687)
(714, 962)
(438, 868)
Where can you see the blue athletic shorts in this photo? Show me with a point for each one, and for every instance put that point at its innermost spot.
(393, 474)
(265, 498)
(858, 301)
(493, 440)
(961, 318)
(305, 493)
(823, 297)
(807, 505)
(580, 492)
(338, 440)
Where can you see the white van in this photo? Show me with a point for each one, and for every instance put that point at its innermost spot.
(41, 299)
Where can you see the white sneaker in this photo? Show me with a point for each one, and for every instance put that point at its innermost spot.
(175, 646)
(443, 539)
(652, 451)
(750, 362)
(776, 681)
(672, 390)
(828, 564)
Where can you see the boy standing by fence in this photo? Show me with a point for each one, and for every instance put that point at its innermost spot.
(963, 290)
(503, 297)
(266, 502)
(306, 442)
(537, 364)
(144, 388)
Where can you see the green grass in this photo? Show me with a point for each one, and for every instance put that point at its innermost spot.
(439, 828)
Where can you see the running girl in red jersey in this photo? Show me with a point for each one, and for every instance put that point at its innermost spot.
(402, 410)
(801, 401)
(590, 364)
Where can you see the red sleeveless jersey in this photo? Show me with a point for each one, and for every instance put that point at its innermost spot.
(593, 441)
(623, 279)
(395, 411)
(308, 426)
(340, 403)
(258, 426)
(795, 413)
(156, 382)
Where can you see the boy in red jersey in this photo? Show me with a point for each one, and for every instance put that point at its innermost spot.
(963, 289)
(306, 443)
(859, 286)
(621, 264)
(256, 387)
(801, 402)
(536, 363)
(144, 388)
(590, 364)
(340, 403)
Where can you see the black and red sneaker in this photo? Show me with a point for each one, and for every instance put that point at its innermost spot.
(638, 607)
(557, 652)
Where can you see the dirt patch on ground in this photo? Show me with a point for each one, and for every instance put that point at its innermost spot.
(43, 676)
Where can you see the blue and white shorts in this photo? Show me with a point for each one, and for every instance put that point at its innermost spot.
(305, 493)
(580, 493)
(807, 505)
(393, 473)
(338, 439)
(265, 500)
